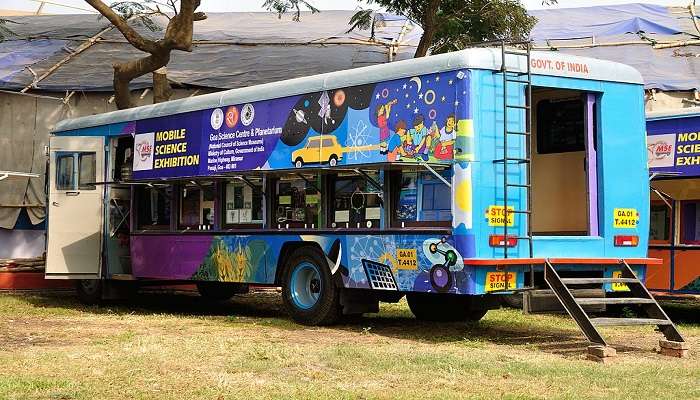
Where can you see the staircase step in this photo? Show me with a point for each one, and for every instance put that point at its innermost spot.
(613, 300)
(628, 321)
(587, 281)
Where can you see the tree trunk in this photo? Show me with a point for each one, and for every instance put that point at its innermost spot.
(161, 87)
(124, 73)
(428, 25)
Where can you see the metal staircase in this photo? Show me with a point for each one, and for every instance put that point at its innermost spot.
(522, 79)
(639, 296)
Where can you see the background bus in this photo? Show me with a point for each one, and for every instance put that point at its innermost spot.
(428, 178)
(673, 146)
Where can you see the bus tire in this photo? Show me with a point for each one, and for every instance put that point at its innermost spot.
(299, 162)
(308, 292)
(220, 291)
(442, 307)
(333, 160)
(89, 291)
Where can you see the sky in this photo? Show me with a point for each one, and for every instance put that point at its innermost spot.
(253, 5)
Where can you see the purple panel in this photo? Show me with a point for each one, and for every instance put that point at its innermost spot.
(168, 256)
(592, 159)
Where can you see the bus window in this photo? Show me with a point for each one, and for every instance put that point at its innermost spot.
(197, 206)
(154, 207)
(355, 203)
(421, 200)
(296, 202)
(65, 179)
(244, 204)
(690, 222)
(86, 171)
(659, 222)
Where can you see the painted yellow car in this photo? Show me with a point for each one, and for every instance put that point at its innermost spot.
(318, 150)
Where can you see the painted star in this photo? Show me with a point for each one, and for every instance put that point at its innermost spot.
(442, 99)
(406, 95)
(377, 96)
(415, 110)
(404, 86)
(408, 106)
(437, 78)
(420, 96)
(449, 82)
(456, 102)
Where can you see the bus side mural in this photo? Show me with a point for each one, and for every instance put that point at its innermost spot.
(389, 262)
(414, 119)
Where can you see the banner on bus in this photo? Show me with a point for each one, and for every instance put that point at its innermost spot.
(673, 146)
(415, 119)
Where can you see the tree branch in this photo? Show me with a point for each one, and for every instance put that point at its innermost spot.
(120, 23)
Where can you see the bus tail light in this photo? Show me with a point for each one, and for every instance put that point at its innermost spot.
(626, 240)
(500, 241)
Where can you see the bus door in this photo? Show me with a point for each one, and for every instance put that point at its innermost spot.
(75, 209)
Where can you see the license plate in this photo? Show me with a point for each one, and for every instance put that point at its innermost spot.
(497, 281)
(619, 287)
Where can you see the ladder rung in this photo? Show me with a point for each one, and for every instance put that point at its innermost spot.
(516, 53)
(613, 300)
(629, 321)
(523, 237)
(519, 160)
(517, 106)
(518, 133)
(526, 185)
(587, 281)
(518, 212)
(524, 82)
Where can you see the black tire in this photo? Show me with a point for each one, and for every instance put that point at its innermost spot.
(443, 307)
(89, 291)
(326, 308)
(333, 160)
(512, 300)
(220, 291)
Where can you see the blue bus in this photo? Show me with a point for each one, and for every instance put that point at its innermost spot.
(450, 179)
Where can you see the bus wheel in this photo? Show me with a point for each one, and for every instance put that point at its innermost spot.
(442, 307)
(308, 292)
(220, 291)
(333, 161)
(299, 162)
(89, 291)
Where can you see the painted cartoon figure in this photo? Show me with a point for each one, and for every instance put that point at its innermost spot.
(395, 143)
(443, 150)
(418, 132)
(429, 142)
(383, 113)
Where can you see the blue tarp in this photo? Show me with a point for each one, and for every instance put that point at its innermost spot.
(625, 33)
(16, 55)
(603, 21)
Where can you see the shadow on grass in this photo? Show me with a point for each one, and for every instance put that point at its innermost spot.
(550, 334)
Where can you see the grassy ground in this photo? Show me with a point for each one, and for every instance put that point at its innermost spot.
(164, 346)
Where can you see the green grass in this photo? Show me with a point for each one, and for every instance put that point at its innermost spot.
(164, 346)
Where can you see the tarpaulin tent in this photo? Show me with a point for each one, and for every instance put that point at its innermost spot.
(59, 54)
(661, 42)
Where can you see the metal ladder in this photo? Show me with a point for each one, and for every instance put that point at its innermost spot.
(640, 296)
(522, 79)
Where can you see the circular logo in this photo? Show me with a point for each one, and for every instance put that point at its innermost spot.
(247, 114)
(144, 149)
(231, 116)
(217, 118)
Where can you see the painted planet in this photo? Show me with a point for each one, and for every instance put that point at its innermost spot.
(339, 97)
(299, 115)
